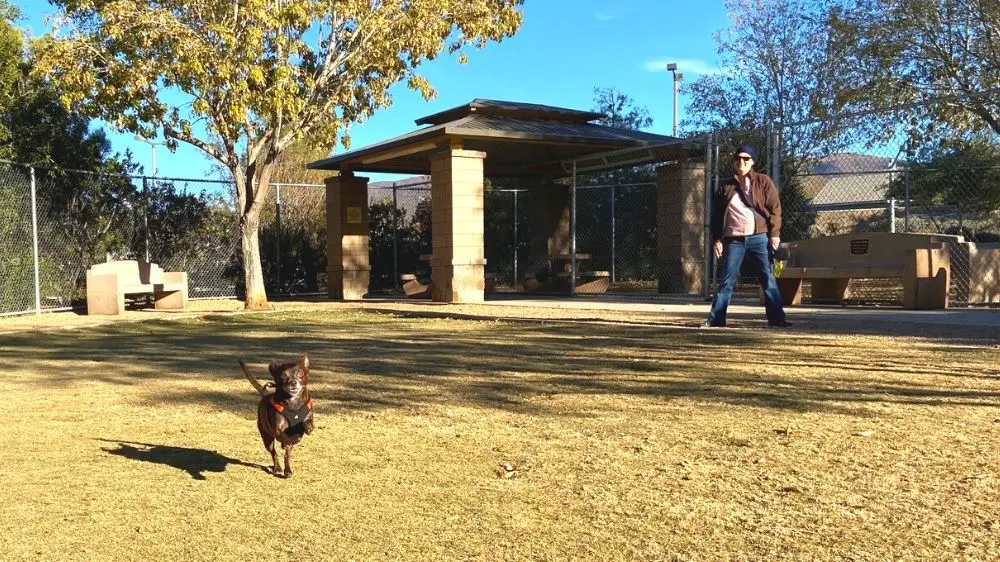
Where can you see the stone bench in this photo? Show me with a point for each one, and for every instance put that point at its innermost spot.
(414, 288)
(587, 282)
(830, 263)
(108, 283)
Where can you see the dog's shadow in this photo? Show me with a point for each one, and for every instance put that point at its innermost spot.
(193, 461)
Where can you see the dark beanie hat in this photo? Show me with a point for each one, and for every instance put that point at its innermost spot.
(746, 149)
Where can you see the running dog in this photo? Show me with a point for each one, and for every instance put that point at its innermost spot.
(285, 411)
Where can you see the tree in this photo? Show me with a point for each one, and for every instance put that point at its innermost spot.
(256, 75)
(956, 182)
(780, 65)
(11, 62)
(915, 52)
(9, 12)
(620, 110)
(290, 165)
(86, 212)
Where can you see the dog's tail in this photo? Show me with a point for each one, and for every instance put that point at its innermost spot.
(253, 380)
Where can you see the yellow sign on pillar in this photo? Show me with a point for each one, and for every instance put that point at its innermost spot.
(354, 215)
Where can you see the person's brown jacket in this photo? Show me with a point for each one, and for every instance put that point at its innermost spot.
(765, 200)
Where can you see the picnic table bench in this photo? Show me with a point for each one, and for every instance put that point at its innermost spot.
(830, 263)
(109, 282)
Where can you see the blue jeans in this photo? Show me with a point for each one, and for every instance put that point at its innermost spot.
(733, 251)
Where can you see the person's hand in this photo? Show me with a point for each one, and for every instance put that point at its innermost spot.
(717, 249)
(775, 242)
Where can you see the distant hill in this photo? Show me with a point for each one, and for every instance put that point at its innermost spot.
(848, 178)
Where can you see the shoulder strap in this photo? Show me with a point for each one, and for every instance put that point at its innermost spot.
(743, 196)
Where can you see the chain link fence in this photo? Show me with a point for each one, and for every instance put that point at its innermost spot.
(55, 224)
(399, 215)
(17, 230)
(293, 240)
(903, 185)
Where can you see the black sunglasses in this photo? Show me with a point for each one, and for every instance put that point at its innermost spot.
(744, 158)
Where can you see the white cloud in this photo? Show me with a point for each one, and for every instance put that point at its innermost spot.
(686, 66)
(604, 16)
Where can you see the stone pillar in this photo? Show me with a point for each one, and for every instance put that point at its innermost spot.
(348, 268)
(458, 263)
(680, 228)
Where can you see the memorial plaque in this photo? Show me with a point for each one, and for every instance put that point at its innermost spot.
(354, 215)
(859, 247)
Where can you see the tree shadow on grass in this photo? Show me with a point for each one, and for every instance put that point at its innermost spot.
(378, 362)
(193, 461)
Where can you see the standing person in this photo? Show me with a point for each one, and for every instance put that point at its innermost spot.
(746, 220)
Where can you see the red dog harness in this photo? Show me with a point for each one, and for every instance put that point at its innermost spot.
(296, 416)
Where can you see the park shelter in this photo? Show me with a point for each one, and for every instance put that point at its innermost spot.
(460, 147)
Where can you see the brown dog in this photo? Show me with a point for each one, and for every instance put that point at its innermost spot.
(285, 411)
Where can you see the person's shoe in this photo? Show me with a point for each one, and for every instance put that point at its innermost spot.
(782, 324)
(708, 324)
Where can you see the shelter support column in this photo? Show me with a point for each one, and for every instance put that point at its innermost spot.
(458, 263)
(680, 228)
(348, 268)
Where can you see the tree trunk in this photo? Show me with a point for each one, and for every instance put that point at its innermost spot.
(256, 295)
(251, 191)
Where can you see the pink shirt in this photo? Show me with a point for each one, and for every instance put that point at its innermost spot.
(739, 217)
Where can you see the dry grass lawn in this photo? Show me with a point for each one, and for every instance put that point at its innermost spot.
(627, 441)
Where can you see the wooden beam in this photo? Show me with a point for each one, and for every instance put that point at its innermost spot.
(398, 153)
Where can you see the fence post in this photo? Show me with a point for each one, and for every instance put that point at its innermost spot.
(277, 237)
(395, 239)
(516, 243)
(906, 190)
(892, 215)
(572, 234)
(34, 244)
(769, 148)
(776, 156)
(715, 186)
(613, 258)
(706, 289)
(145, 215)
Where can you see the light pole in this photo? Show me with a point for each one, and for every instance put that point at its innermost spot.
(672, 67)
(152, 145)
(145, 192)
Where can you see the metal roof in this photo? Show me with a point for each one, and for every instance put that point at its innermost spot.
(510, 108)
(518, 139)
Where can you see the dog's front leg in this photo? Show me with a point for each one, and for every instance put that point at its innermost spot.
(288, 459)
(274, 458)
(308, 425)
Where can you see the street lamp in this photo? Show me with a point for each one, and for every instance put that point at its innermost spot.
(145, 194)
(672, 67)
(152, 145)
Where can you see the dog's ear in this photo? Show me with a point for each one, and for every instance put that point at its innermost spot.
(304, 362)
(275, 369)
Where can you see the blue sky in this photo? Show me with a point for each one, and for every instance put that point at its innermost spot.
(565, 48)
